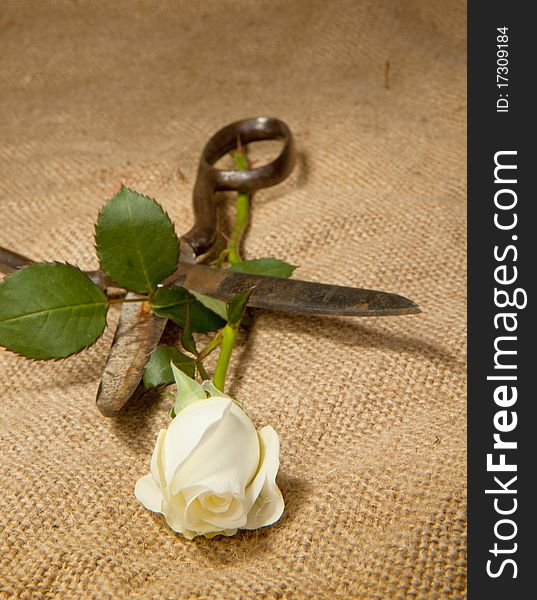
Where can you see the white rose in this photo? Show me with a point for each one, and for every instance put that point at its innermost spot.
(212, 472)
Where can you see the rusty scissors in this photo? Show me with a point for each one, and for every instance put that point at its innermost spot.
(139, 331)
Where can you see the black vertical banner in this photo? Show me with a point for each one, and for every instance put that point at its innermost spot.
(502, 262)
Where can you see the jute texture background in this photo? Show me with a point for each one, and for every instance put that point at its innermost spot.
(371, 412)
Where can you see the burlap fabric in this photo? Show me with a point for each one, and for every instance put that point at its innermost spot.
(371, 412)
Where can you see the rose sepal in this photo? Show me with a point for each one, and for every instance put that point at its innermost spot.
(188, 390)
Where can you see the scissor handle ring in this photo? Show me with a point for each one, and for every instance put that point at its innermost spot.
(209, 179)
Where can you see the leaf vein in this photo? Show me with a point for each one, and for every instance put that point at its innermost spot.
(49, 310)
(138, 250)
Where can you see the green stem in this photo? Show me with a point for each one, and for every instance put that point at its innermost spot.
(123, 300)
(242, 214)
(226, 337)
(201, 370)
(212, 345)
(229, 334)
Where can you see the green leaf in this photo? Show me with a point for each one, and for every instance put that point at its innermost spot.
(187, 339)
(188, 390)
(172, 302)
(136, 242)
(50, 310)
(217, 306)
(158, 370)
(237, 306)
(265, 266)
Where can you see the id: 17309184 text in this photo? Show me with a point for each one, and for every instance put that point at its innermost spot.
(502, 69)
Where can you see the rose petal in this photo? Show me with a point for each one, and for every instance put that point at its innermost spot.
(269, 445)
(267, 509)
(147, 492)
(233, 517)
(190, 429)
(173, 509)
(264, 499)
(157, 462)
(203, 520)
(227, 532)
(226, 459)
(194, 511)
(216, 503)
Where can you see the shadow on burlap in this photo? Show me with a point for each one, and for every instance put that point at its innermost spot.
(370, 413)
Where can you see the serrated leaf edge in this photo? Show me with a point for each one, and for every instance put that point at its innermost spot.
(95, 228)
(55, 262)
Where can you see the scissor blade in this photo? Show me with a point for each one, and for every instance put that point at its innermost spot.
(293, 295)
(137, 334)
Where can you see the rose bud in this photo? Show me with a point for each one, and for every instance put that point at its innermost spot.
(212, 472)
